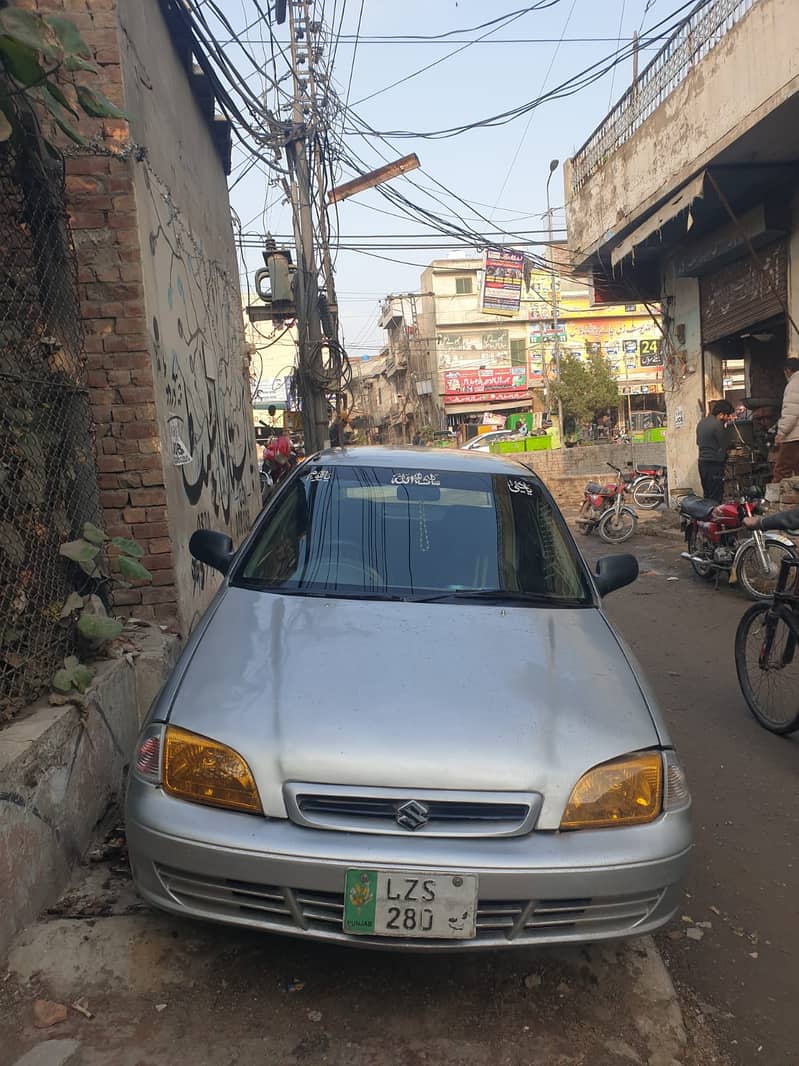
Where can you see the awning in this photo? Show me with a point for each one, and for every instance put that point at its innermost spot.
(680, 201)
(524, 403)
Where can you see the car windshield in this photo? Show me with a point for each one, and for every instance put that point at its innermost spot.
(375, 533)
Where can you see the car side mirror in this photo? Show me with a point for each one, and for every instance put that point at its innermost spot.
(215, 549)
(614, 572)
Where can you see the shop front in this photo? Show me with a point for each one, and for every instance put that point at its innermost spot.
(474, 396)
(743, 322)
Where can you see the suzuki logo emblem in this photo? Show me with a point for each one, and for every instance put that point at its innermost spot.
(412, 815)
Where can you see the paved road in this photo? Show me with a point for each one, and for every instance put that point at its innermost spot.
(745, 782)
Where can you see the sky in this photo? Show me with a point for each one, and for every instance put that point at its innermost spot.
(501, 172)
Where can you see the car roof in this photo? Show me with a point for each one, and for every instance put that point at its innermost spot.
(422, 459)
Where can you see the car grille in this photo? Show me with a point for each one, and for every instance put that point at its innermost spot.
(300, 910)
(375, 810)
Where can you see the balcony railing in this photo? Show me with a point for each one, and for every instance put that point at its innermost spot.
(699, 33)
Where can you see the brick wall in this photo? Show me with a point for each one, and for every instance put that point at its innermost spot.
(103, 218)
(590, 461)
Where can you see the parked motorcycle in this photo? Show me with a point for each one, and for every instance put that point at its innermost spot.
(648, 485)
(718, 543)
(604, 510)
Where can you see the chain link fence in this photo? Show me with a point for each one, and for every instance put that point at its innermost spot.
(48, 481)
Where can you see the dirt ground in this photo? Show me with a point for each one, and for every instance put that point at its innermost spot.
(739, 979)
(166, 991)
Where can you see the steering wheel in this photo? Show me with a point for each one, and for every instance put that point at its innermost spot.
(353, 565)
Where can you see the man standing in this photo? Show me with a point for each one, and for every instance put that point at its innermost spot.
(713, 438)
(787, 439)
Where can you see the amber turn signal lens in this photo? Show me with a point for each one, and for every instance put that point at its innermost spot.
(205, 771)
(624, 792)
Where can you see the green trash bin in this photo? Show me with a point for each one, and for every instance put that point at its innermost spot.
(538, 444)
(655, 436)
(506, 447)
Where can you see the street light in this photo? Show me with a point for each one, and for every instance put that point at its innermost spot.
(553, 166)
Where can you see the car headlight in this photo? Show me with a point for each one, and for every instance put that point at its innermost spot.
(622, 792)
(197, 769)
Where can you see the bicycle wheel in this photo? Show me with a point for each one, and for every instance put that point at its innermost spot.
(767, 663)
(647, 493)
(757, 583)
(616, 528)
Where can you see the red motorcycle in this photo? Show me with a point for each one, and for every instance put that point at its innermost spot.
(604, 509)
(716, 544)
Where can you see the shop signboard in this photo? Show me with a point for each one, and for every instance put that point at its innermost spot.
(650, 353)
(535, 374)
(271, 390)
(638, 389)
(540, 335)
(502, 282)
(463, 386)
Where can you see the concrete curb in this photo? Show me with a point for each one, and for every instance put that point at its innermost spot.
(52, 1053)
(59, 773)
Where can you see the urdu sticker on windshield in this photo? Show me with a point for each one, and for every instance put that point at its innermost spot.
(417, 478)
(521, 486)
(320, 475)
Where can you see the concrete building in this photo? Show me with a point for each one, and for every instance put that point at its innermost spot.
(375, 401)
(490, 365)
(273, 358)
(688, 193)
(159, 298)
(411, 369)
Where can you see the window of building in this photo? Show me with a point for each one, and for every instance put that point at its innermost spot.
(463, 286)
(379, 397)
(518, 355)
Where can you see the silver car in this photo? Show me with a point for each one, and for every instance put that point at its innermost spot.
(405, 721)
(481, 442)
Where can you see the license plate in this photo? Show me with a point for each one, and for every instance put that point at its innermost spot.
(403, 903)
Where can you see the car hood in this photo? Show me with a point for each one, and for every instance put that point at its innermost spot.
(411, 695)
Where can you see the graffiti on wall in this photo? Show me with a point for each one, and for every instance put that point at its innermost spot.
(198, 363)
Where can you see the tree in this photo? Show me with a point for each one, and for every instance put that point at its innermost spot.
(34, 49)
(585, 387)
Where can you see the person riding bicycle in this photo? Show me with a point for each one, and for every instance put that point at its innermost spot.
(781, 520)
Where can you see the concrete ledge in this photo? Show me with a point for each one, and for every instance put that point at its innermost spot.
(60, 769)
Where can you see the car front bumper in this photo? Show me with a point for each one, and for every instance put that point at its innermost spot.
(267, 873)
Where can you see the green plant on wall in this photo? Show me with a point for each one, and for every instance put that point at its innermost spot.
(35, 49)
(95, 627)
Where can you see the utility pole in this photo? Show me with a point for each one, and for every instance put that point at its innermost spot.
(306, 189)
(311, 370)
(553, 166)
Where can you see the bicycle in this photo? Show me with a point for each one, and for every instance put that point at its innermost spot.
(766, 660)
(649, 487)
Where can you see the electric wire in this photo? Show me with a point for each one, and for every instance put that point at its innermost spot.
(569, 87)
(512, 17)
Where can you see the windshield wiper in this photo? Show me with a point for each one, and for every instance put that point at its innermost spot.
(500, 595)
(324, 594)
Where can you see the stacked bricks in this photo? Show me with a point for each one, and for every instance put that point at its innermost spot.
(102, 212)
